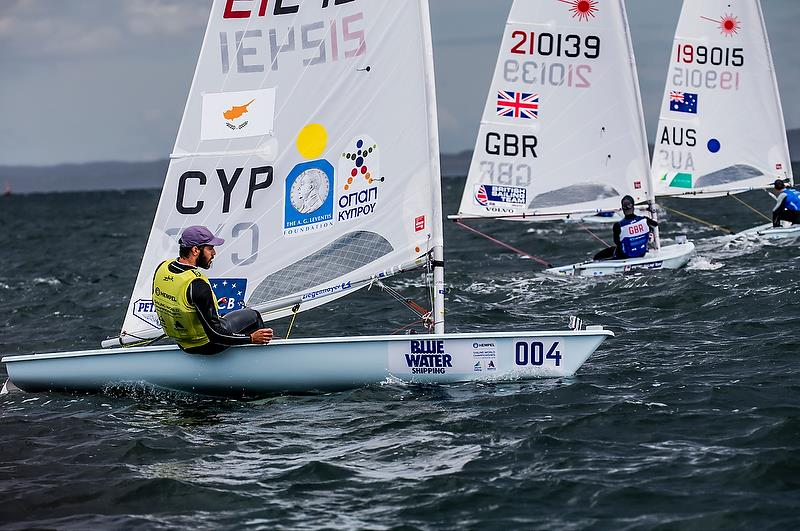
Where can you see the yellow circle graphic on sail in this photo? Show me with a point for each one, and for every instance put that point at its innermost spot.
(311, 141)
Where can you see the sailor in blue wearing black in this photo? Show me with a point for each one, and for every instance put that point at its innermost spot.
(787, 207)
(631, 235)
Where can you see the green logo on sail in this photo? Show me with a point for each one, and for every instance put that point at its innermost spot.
(681, 180)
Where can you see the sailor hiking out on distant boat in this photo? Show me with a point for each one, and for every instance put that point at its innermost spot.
(787, 207)
(188, 308)
(631, 235)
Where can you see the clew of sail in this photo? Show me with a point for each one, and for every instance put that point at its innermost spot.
(721, 126)
(306, 144)
(562, 131)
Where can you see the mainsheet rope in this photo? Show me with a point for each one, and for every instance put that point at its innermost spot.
(698, 220)
(595, 236)
(504, 245)
(751, 208)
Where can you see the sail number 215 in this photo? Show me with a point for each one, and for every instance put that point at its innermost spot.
(535, 353)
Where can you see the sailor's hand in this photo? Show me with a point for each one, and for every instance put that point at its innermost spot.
(261, 336)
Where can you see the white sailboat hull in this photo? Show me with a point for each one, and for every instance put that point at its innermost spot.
(768, 232)
(668, 257)
(307, 365)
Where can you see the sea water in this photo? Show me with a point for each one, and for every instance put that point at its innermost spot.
(688, 419)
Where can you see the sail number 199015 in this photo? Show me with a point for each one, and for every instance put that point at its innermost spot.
(536, 353)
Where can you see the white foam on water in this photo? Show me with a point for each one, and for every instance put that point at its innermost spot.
(701, 263)
(47, 280)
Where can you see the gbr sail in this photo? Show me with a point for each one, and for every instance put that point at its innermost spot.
(721, 126)
(562, 131)
(310, 145)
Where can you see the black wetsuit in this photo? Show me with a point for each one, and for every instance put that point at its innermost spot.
(223, 332)
(781, 213)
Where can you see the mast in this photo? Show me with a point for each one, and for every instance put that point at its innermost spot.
(436, 187)
(771, 65)
(643, 134)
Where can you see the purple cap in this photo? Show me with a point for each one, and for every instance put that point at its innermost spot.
(198, 235)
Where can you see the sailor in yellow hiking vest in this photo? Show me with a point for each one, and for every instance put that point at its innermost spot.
(631, 235)
(188, 308)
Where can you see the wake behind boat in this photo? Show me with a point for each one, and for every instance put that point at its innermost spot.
(309, 143)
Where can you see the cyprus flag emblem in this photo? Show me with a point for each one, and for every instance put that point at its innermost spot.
(241, 114)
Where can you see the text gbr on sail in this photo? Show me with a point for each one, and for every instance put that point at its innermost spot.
(511, 145)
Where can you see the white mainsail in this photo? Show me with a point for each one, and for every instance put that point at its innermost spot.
(721, 127)
(562, 131)
(298, 148)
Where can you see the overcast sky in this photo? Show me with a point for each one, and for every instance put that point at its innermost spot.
(89, 80)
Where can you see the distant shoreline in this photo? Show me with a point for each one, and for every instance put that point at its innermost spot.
(111, 175)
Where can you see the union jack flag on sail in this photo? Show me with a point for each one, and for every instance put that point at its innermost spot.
(517, 104)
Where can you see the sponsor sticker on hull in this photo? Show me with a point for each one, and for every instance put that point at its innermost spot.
(421, 357)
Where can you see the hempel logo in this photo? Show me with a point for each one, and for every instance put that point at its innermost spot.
(165, 295)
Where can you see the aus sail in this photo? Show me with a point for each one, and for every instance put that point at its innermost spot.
(721, 127)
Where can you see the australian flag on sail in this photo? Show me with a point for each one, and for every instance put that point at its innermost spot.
(230, 293)
(517, 104)
(683, 102)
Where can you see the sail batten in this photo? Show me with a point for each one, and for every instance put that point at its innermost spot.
(306, 143)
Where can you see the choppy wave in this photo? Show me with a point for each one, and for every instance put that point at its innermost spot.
(687, 419)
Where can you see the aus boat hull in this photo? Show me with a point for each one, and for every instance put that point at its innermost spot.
(312, 364)
(768, 232)
(668, 257)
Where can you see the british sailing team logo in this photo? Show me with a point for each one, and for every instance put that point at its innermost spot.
(489, 195)
(308, 204)
(582, 9)
(481, 197)
(235, 116)
(728, 24)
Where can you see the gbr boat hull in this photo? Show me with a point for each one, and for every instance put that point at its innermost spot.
(307, 365)
(668, 257)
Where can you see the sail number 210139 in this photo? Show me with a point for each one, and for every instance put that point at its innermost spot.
(537, 353)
